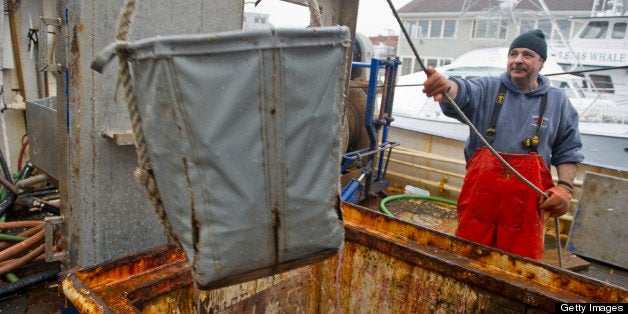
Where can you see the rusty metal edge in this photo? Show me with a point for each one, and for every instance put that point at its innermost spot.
(174, 276)
(121, 295)
(457, 257)
(148, 258)
(93, 299)
(81, 297)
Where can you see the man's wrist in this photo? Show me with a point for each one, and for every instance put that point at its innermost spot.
(565, 183)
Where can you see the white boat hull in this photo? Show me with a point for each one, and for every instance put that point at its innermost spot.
(601, 145)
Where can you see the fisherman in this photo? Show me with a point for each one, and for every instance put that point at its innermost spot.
(532, 125)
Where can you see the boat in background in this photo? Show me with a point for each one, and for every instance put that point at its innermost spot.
(603, 122)
(599, 49)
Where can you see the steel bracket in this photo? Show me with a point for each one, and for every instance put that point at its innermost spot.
(45, 64)
(54, 241)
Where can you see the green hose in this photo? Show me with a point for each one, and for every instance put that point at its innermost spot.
(382, 204)
(11, 277)
(11, 238)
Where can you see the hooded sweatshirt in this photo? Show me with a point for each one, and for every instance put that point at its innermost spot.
(559, 138)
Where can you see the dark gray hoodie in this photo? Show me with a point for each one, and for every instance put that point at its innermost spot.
(559, 139)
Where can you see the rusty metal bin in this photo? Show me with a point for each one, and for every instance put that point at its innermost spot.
(386, 265)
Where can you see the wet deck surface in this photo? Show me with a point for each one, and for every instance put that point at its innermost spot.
(606, 273)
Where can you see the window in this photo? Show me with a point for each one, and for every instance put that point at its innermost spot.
(411, 28)
(527, 25)
(424, 27)
(564, 86)
(551, 31)
(565, 29)
(480, 29)
(602, 83)
(417, 66)
(490, 29)
(449, 29)
(619, 30)
(595, 30)
(435, 62)
(436, 29)
(406, 66)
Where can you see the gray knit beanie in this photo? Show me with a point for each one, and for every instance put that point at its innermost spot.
(533, 40)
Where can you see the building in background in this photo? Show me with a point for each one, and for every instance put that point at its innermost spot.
(384, 46)
(255, 20)
(443, 30)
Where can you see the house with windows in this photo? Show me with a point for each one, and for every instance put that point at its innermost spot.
(443, 30)
(255, 20)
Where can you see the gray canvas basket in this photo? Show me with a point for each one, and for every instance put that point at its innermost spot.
(243, 135)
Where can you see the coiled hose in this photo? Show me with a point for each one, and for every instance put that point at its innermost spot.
(28, 281)
(382, 204)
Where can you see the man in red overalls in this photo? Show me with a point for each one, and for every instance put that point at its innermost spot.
(532, 125)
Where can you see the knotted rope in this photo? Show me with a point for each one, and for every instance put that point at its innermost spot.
(143, 173)
(315, 13)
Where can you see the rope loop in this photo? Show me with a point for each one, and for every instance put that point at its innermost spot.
(123, 51)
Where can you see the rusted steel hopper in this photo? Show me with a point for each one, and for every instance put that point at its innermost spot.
(385, 264)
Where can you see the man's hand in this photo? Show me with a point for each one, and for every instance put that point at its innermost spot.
(558, 200)
(435, 84)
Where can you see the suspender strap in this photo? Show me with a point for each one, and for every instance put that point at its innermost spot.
(499, 101)
(535, 140)
(532, 143)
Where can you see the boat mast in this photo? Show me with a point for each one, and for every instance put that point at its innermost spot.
(594, 8)
(555, 25)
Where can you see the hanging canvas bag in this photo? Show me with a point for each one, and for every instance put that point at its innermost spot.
(238, 143)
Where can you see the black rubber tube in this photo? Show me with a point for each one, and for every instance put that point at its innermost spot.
(5, 168)
(28, 281)
(7, 202)
(51, 209)
(42, 192)
(10, 199)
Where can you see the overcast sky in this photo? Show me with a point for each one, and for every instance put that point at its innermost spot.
(374, 16)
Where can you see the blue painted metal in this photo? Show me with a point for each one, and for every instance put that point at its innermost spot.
(352, 191)
(391, 71)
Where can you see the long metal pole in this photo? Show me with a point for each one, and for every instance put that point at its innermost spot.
(472, 127)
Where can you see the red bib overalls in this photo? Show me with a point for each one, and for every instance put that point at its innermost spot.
(497, 209)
